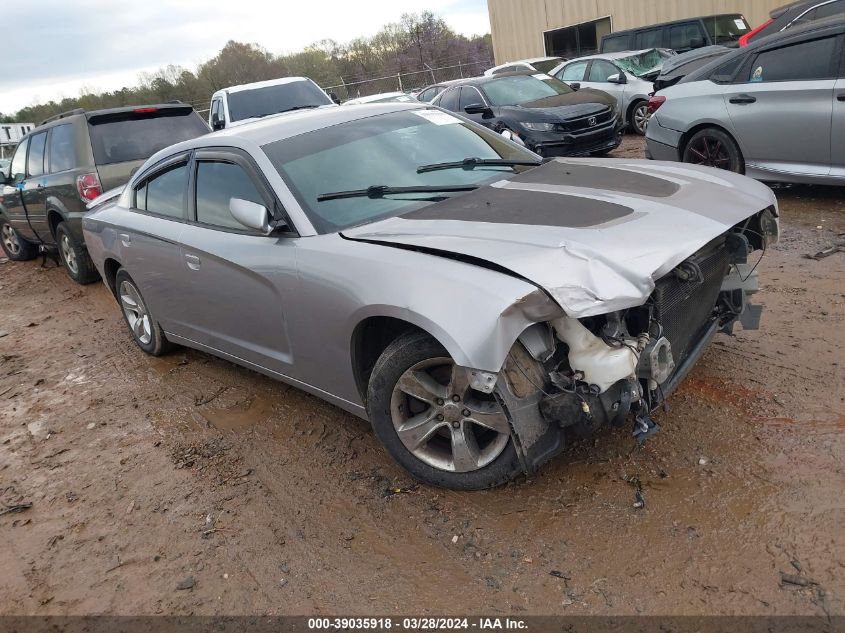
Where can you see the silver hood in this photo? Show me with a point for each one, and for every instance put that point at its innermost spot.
(594, 233)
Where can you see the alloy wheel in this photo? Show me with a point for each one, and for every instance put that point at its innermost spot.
(443, 422)
(10, 240)
(69, 255)
(136, 312)
(641, 118)
(711, 152)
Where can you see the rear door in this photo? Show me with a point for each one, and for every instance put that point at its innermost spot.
(148, 241)
(837, 136)
(237, 285)
(781, 109)
(121, 141)
(34, 188)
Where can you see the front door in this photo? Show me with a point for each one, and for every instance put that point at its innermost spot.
(782, 107)
(471, 96)
(597, 78)
(237, 283)
(34, 188)
(837, 137)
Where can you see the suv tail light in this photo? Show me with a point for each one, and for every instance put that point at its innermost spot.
(745, 39)
(88, 186)
(655, 102)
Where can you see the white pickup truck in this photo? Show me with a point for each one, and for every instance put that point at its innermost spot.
(248, 102)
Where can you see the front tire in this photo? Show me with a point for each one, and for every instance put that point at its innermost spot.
(638, 118)
(433, 423)
(714, 148)
(142, 324)
(74, 256)
(16, 247)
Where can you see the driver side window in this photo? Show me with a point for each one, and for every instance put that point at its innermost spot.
(470, 96)
(601, 70)
(217, 183)
(18, 168)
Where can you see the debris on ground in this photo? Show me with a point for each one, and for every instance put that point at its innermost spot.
(639, 499)
(827, 252)
(187, 583)
(390, 492)
(17, 507)
(798, 581)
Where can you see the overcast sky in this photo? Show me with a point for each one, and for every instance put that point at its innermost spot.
(55, 48)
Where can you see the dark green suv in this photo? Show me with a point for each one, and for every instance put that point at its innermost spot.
(69, 160)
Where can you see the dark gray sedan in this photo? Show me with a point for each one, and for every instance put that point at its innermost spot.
(427, 274)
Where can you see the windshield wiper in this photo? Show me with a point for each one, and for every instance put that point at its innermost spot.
(301, 107)
(472, 163)
(379, 191)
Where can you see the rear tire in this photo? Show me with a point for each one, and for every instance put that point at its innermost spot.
(142, 324)
(714, 148)
(16, 247)
(74, 256)
(451, 435)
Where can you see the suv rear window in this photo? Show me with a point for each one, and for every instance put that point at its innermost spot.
(135, 135)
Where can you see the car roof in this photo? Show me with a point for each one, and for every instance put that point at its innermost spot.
(660, 25)
(381, 95)
(617, 55)
(820, 27)
(263, 84)
(486, 79)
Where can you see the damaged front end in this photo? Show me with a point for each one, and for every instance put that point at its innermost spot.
(580, 374)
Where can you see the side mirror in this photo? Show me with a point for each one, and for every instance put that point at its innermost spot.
(575, 85)
(216, 122)
(618, 78)
(251, 215)
(333, 96)
(697, 42)
(478, 108)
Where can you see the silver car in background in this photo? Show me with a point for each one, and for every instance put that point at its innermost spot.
(774, 110)
(628, 76)
(423, 272)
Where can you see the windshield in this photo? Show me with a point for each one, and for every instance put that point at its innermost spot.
(519, 89)
(547, 65)
(644, 62)
(726, 28)
(259, 102)
(384, 150)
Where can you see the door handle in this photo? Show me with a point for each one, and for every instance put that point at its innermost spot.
(840, 97)
(125, 239)
(193, 261)
(743, 99)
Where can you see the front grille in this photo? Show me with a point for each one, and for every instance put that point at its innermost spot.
(683, 307)
(583, 123)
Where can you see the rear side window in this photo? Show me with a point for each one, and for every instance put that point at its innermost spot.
(130, 136)
(685, 36)
(799, 62)
(164, 193)
(62, 152)
(217, 183)
(573, 72)
(35, 163)
(449, 100)
(653, 38)
(616, 43)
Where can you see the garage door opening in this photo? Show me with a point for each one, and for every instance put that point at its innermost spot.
(576, 40)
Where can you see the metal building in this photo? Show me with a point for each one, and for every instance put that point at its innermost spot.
(533, 28)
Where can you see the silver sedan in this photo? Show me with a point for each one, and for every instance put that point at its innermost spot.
(431, 276)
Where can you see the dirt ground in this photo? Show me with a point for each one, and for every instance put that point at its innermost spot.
(144, 473)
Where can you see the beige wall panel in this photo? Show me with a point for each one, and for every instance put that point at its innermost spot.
(518, 25)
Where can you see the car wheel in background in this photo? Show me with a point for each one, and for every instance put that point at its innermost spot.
(638, 117)
(75, 257)
(433, 423)
(145, 329)
(16, 248)
(714, 148)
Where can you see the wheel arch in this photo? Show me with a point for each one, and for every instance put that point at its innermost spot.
(374, 333)
(110, 268)
(629, 113)
(54, 218)
(686, 136)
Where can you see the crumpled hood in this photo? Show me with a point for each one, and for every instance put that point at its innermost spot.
(594, 233)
